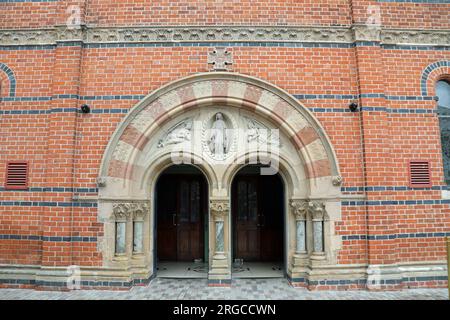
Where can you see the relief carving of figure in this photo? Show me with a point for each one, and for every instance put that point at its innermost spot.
(260, 134)
(179, 134)
(218, 140)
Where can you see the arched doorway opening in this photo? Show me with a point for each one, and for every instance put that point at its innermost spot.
(181, 206)
(159, 126)
(258, 219)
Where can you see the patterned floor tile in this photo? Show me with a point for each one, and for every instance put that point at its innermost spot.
(241, 289)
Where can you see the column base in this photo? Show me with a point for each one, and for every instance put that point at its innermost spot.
(219, 256)
(299, 261)
(318, 256)
(220, 273)
(138, 256)
(120, 257)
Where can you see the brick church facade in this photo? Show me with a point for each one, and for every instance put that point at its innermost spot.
(96, 96)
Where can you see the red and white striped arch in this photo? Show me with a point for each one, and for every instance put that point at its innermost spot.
(121, 159)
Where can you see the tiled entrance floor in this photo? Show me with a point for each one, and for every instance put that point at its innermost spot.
(241, 289)
(200, 270)
(182, 270)
(258, 270)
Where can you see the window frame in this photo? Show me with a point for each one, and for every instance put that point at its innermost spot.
(444, 78)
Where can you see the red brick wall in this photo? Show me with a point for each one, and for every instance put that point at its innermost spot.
(372, 148)
(239, 12)
(199, 12)
(27, 14)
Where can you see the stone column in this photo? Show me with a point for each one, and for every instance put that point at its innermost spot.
(300, 210)
(122, 213)
(220, 272)
(140, 211)
(317, 212)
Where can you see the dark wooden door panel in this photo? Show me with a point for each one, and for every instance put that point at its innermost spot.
(196, 241)
(257, 206)
(180, 234)
(245, 205)
(166, 224)
(271, 245)
(271, 223)
(190, 233)
(184, 245)
(247, 245)
(167, 246)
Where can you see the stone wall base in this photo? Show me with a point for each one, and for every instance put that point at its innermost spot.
(351, 277)
(219, 282)
(372, 277)
(58, 279)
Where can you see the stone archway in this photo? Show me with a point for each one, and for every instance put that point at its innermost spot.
(143, 145)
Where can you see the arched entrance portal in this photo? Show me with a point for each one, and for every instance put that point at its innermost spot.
(176, 124)
(257, 213)
(181, 205)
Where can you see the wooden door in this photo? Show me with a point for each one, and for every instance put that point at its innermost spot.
(271, 218)
(181, 208)
(189, 220)
(246, 220)
(258, 218)
(166, 219)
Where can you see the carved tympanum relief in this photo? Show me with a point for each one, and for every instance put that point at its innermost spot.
(218, 134)
(218, 137)
(179, 133)
(257, 133)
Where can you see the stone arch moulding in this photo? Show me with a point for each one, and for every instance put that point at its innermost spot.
(11, 77)
(431, 74)
(122, 163)
(140, 149)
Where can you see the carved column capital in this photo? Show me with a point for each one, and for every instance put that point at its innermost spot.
(136, 210)
(219, 209)
(122, 211)
(140, 210)
(299, 208)
(317, 210)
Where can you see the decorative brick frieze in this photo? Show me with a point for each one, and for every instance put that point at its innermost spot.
(224, 35)
(218, 34)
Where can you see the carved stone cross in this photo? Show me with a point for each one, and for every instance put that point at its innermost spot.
(220, 58)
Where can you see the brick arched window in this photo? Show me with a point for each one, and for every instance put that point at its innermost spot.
(443, 95)
(7, 80)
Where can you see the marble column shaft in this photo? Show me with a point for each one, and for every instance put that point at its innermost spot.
(300, 236)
